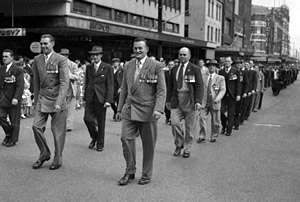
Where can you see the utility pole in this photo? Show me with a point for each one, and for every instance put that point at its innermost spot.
(12, 14)
(159, 28)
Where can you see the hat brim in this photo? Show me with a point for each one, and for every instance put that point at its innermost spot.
(212, 64)
(95, 52)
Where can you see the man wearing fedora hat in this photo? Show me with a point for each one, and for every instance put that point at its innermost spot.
(118, 76)
(98, 94)
(214, 90)
(72, 92)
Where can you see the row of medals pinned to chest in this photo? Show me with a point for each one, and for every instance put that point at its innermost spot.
(10, 79)
(52, 68)
(148, 78)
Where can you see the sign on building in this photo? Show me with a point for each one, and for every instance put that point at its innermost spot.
(8, 32)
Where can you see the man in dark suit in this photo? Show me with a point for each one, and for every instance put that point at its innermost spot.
(253, 75)
(51, 84)
(184, 97)
(243, 78)
(142, 102)
(11, 90)
(98, 94)
(232, 95)
(118, 76)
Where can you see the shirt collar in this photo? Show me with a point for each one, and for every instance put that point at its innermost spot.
(49, 55)
(9, 65)
(142, 61)
(98, 64)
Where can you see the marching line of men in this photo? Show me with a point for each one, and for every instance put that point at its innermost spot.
(139, 94)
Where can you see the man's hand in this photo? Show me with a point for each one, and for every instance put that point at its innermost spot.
(253, 91)
(249, 94)
(118, 116)
(168, 105)
(238, 98)
(57, 108)
(106, 104)
(119, 90)
(244, 95)
(14, 101)
(197, 106)
(156, 115)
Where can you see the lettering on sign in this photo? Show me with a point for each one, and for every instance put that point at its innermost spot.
(99, 26)
(12, 32)
(188, 41)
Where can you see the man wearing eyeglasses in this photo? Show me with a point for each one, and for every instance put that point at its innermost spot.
(51, 84)
(184, 97)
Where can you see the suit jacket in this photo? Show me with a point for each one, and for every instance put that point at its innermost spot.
(11, 90)
(261, 83)
(99, 84)
(51, 82)
(244, 79)
(252, 79)
(196, 88)
(118, 76)
(218, 89)
(233, 84)
(74, 77)
(140, 98)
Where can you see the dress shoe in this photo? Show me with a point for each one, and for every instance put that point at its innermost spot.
(228, 134)
(99, 149)
(10, 144)
(143, 181)
(200, 140)
(236, 128)
(126, 179)
(5, 141)
(69, 130)
(54, 167)
(213, 140)
(186, 155)
(223, 131)
(39, 163)
(177, 151)
(92, 144)
(242, 123)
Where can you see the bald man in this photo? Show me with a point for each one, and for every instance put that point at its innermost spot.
(184, 97)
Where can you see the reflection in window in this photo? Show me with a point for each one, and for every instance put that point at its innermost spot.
(121, 16)
(103, 12)
(135, 19)
(82, 7)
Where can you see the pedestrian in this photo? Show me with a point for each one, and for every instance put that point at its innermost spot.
(98, 94)
(51, 83)
(167, 70)
(72, 91)
(214, 90)
(232, 95)
(260, 89)
(118, 76)
(185, 93)
(11, 90)
(142, 102)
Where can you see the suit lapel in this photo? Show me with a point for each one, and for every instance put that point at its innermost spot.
(42, 67)
(100, 69)
(143, 71)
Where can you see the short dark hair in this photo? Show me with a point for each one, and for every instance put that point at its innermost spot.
(52, 39)
(9, 51)
(141, 39)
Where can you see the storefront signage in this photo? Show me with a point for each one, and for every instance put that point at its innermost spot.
(99, 26)
(35, 47)
(7, 32)
(187, 41)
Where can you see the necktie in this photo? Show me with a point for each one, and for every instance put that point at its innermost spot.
(96, 67)
(46, 59)
(209, 86)
(180, 77)
(137, 70)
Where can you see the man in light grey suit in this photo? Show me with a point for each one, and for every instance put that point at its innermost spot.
(214, 90)
(51, 84)
(141, 103)
(72, 92)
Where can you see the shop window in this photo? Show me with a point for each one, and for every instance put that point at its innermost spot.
(227, 28)
(135, 19)
(103, 12)
(168, 27)
(121, 16)
(81, 7)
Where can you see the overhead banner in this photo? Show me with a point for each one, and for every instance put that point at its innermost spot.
(8, 32)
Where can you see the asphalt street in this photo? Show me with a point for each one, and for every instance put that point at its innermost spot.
(260, 162)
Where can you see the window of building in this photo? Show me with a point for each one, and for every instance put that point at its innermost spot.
(148, 22)
(102, 12)
(219, 36)
(216, 35)
(218, 11)
(135, 19)
(227, 27)
(212, 9)
(236, 7)
(208, 9)
(186, 30)
(176, 28)
(211, 34)
(187, 7)
(82, 7)
(208, 31)
(120, 16)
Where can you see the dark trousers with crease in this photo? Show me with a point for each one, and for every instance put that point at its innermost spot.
(58, 128)
(11, 129)
(228, 105)
(95, 111)
(148, 133)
